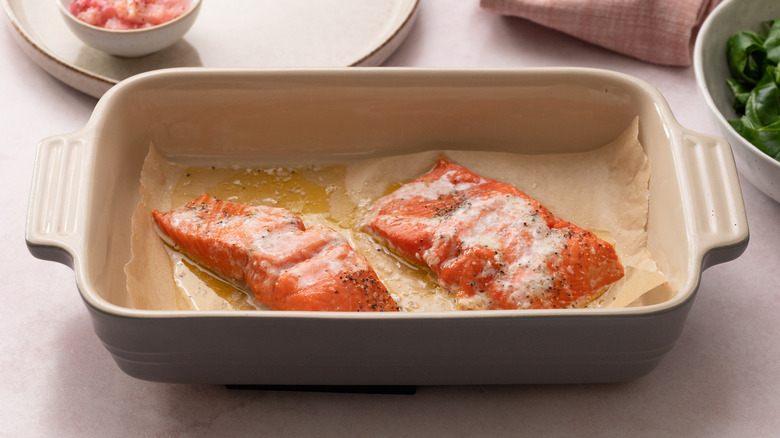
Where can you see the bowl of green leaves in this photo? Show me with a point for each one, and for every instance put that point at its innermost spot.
(736, 58)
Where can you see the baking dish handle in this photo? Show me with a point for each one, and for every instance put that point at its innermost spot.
(55, 216)
(719, 223)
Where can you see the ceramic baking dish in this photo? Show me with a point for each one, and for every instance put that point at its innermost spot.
(86, 187)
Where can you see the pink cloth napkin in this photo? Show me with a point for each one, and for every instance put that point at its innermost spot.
(657, 31)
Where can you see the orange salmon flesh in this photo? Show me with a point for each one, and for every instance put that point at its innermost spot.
(287, 266)
(491, 245)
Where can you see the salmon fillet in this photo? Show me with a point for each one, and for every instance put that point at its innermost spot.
(493, 246)
(287, 266)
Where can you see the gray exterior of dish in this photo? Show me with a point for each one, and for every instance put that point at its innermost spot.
(300, 350)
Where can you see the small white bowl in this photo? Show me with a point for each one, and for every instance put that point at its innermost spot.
(711, 68)
(131, 43)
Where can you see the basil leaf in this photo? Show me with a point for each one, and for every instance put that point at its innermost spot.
(741, 93)
(763, 104)
(772, 43)
(766, 139)
(747, 56)
(755, 84)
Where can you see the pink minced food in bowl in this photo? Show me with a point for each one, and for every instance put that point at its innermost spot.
(128, 14)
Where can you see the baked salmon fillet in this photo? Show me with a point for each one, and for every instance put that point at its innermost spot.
(491, 245)
(286, 266)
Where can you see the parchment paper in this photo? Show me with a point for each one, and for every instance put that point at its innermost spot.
(604, 190)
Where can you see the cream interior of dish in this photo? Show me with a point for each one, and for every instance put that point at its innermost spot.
(604, 190)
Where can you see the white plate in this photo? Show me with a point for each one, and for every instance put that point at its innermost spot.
(237, 33)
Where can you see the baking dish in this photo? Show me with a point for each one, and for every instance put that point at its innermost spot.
(86, 187)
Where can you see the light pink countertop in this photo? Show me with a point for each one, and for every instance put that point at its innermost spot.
(56, 379)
